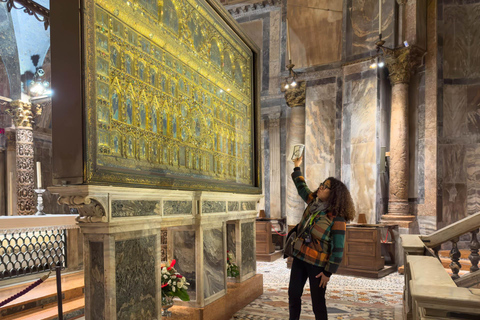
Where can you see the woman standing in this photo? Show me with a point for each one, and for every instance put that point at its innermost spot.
(319, 251)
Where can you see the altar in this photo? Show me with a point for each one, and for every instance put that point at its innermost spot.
(156, 147)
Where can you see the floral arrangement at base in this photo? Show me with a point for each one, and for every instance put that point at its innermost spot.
(232, 268)
(173, 283)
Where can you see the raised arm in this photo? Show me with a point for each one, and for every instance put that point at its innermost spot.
(300, 183)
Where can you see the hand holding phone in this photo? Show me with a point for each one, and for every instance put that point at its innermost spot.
(297, 151)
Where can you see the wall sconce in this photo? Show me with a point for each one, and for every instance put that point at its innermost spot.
(295, 91)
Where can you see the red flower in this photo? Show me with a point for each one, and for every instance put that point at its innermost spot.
(164, 285)
(179, 276)
(172, 264)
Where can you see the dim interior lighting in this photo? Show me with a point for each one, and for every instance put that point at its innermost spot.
(293, 84)
(287, 86)
(405, 43)
(220, 90)
(229, 89)
(373, 65)
(381, 64)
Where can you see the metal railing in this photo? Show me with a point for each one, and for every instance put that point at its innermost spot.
(30, 245)
(30, 252)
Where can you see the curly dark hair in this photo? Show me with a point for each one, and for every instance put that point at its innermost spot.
(340, 200)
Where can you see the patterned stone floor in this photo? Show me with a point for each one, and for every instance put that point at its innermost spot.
(349, 298)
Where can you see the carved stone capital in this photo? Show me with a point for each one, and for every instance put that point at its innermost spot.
(295, 96)
(89, 210)
(23, 113)
(401, 63)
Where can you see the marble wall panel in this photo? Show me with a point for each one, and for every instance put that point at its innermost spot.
(362, 188)
(135, 278)
(214, 261)
(184, 254)
(473, 109)
(214, 206)
(426, 224)
(461, 40)
(454, 202)
(274, 56)
(248, 205)
(358, 137)
(359, 167)
(363, 115)
(454, 111)
(248, 264)
(362, 25)
(473, 178)
(135, 208)
(454, 169)
(97, 281)
(231, 240)
(233, 206)
(320, 112)
(308, 46)
(171, 207)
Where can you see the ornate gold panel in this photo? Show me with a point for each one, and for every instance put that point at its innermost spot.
(169, 94)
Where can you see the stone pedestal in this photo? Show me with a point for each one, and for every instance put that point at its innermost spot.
(122, 245)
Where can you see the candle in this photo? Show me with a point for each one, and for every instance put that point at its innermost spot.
(380, 17)
(288, 43)
(39, 175)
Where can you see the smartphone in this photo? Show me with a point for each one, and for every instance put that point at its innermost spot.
(297, 151)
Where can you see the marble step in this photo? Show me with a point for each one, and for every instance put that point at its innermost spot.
(43, 295)
(72, 309)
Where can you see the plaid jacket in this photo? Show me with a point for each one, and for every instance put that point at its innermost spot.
(327, 233)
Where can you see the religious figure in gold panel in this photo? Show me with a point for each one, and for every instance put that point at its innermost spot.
(173, 87)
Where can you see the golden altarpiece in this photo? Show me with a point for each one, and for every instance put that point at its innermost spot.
(155, 126)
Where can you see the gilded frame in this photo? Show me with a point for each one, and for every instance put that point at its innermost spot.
(97, 174)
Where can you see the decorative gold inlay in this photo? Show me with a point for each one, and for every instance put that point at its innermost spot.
(173, 91)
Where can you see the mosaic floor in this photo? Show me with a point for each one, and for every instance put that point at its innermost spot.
(347, 297)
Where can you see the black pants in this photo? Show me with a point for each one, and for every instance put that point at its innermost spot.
(298, 276)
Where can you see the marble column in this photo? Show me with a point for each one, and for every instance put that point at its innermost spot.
(295, 135)
(400, 66)
(23, 114)
(275, 185)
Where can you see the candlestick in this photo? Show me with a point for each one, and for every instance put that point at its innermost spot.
(288, 43)
(39, 193)
(39, 175)
(380, 18)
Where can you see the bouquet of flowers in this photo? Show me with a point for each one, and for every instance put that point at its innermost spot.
(173, 283)
(232, 268)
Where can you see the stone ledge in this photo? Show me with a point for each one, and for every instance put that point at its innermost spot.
(403, 221)
(238, 296)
